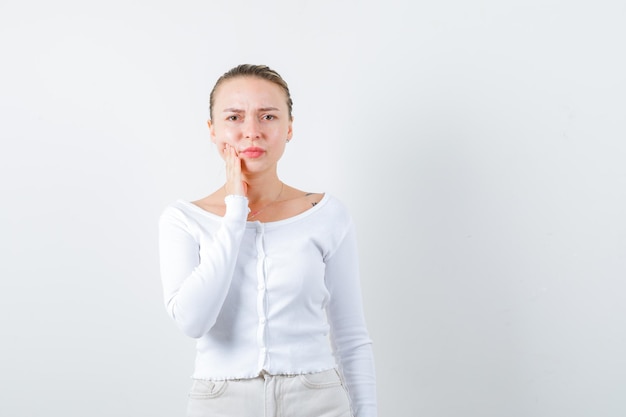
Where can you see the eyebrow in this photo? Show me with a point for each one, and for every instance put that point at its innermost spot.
(235, 110)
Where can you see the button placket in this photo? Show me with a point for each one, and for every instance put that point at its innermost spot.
(261, 298)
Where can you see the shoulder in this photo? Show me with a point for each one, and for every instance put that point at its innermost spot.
(313, 199)
(174, 212)
(332, 206)
(331, 218)
(334, 224)
(175, 208)
(181, 212)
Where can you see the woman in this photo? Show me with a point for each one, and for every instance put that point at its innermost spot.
(264, 275)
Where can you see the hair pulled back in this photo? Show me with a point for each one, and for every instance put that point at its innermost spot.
(248, 70)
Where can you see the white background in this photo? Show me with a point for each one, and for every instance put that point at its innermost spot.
(480, 147)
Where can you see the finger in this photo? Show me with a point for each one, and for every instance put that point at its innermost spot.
(234, 180)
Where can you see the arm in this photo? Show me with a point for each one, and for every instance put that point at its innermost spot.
(351, 342)
(196, 279)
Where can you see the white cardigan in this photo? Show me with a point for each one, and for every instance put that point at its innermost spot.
(268, 296)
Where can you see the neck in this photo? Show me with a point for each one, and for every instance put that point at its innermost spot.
(262, 188)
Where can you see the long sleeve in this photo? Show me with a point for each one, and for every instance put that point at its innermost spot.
(196, 277)
(351, 343)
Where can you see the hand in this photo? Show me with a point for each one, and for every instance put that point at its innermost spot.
(234, 180)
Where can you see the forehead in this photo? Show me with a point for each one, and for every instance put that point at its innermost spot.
(246, 91)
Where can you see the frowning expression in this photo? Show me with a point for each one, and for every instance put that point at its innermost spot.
(251, 114)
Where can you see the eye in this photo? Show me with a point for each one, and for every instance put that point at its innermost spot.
(232, 117)
(269, 117)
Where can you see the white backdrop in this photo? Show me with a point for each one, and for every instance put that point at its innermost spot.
(480, 146)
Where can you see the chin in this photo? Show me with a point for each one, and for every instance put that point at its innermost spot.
(254, 167)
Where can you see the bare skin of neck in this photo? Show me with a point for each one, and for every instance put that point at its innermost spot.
(262, 188)
(268, 198)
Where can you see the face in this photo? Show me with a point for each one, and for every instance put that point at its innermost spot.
(251, 115)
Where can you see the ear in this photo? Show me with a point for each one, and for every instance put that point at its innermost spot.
(211, 130)
(290, 130)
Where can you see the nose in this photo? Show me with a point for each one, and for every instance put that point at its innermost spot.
(251, 128)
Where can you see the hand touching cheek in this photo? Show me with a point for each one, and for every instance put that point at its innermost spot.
(234, 179)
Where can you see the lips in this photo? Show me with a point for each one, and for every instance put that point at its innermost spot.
(252, 152)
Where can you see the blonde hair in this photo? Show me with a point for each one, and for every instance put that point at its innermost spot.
(248, 70)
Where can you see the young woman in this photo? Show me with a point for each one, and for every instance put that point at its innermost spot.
(264, 275)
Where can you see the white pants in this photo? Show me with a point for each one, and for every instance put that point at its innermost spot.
(320, 394)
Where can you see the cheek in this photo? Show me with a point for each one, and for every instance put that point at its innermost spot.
(223, 136)
(219, 146)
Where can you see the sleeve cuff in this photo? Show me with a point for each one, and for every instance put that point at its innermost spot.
(236, 206)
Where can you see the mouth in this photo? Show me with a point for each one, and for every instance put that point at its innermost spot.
(252, 152)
